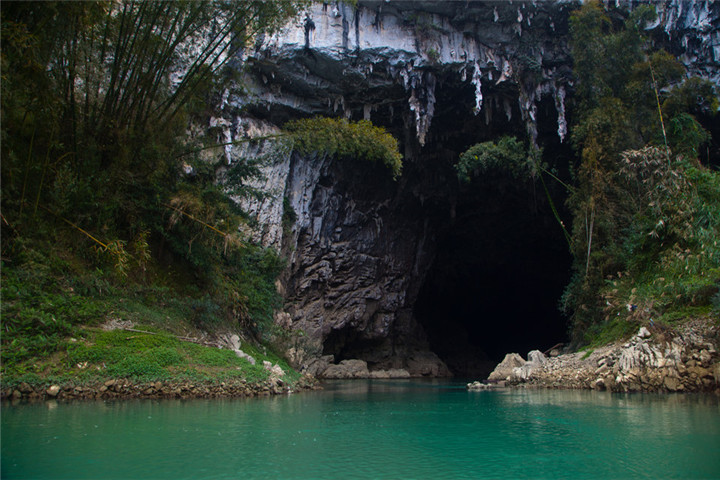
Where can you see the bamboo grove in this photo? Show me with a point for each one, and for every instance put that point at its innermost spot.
(97, 98)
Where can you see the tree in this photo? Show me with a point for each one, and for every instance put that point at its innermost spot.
(627, 97)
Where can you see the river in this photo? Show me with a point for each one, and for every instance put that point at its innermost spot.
(369, 429)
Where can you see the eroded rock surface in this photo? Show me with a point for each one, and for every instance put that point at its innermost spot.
(655, 359)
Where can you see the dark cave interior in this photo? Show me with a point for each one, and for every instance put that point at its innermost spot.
(496, 280)
(502, 262)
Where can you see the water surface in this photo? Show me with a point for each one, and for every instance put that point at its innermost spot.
(369, 429)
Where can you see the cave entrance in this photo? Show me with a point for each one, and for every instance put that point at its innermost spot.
(499, 272)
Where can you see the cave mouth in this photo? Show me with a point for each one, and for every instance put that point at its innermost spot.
(495, 283)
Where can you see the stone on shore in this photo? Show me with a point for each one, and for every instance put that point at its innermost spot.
(504, 370)
(53, 391)
(678, 359)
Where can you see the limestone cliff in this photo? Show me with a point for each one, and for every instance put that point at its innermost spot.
(440, 75)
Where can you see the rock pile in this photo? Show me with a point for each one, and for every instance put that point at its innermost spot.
(654, 360)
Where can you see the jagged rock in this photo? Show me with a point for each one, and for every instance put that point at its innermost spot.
(536, 356)
(641, 364)
(353, 368)
(504, 370)
(317, 366)
(644, 333)
(535, 360)
(277, 371)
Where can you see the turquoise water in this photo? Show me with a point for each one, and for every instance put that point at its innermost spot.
(369, 429)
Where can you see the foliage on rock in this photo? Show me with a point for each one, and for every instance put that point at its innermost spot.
(506, 154)
(344, 139)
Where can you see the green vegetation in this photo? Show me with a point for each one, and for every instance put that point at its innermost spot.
(351, 140)
(514, 159)
(645, 210)
(109, 207)
(507, 154)
(53, 310)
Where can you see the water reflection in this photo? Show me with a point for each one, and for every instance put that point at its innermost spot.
(370, 429)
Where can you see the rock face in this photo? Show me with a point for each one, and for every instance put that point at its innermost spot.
(655, 359)
(439, 76)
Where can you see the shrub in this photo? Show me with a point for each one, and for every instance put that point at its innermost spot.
(338, 137)
(506, 154)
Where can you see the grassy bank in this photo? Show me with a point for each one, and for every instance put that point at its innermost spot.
(68, 322)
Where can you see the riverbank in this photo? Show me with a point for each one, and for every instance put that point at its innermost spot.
(128, 389)
(122, 360)
(657, 358)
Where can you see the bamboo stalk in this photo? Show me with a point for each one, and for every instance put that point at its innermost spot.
(662, 123)
(75, 226)
(196, 220)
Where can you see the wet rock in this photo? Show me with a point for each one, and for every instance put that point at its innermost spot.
(476, 386)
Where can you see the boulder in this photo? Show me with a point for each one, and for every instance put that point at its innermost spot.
(352, 368)
(53, 391)
(317, 366)
(535, 360)
(644, 333)
(505, 368)
(536, 356)
(246, 356)
(672, 383)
